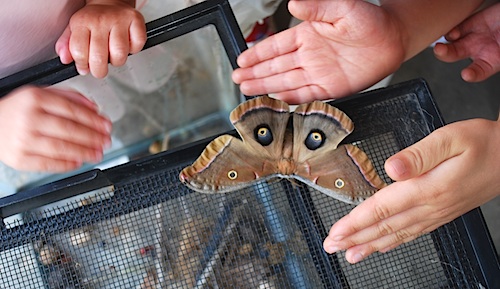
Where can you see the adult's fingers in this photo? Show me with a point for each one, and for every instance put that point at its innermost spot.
(386, 203)
(276, 65)
(290, 80)
(271, 47)
(478, 70)
(451, 52)
(356, 254)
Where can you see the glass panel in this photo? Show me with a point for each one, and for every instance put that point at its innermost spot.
(168, 95)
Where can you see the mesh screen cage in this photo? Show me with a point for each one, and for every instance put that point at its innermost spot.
(136, 226)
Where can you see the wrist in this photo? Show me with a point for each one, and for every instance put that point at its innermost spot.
(422, 22)
(393, 12)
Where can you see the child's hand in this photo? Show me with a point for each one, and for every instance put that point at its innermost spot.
(52, 130)
(103, 31)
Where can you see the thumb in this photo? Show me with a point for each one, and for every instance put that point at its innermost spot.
(422, 156)
(62, 47)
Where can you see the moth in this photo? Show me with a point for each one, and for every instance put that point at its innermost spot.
(276, 143)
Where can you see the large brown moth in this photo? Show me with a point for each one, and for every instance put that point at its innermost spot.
(301, 145)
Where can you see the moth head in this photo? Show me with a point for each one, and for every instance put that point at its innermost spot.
(263, 134)
(315, 139)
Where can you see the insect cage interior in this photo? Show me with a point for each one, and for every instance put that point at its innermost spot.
(134, 225)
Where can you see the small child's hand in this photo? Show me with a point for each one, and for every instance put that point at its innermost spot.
(103, 31)
(51, 130)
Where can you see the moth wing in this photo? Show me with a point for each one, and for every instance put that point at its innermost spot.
(226, 164)
(344, 173)
(262, 112)
(318, 117)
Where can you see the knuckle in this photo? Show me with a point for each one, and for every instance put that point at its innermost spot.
(137, 42)
(98, 59)
(118, 56)
(57, 149)
(443, 213)
(370, 248)
(416, 157)
(384, 228)
(347, 243)
(402, 235)
(69, 127)
(31, 96)
(78, 53)
(381, 212)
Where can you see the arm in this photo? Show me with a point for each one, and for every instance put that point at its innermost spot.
(100, 29)
(423, 21)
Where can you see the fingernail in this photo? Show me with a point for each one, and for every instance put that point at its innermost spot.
(357, 258)
(441, 50)
(332, 249)
(453, 34)
(82, 71)
(108, 126)
(398, 166)
(98, 156)
(468, 74)
(107, 144)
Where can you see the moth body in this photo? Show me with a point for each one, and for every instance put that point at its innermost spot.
(286, 167)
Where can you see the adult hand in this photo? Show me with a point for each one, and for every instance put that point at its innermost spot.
(48, 129)
(340, 48)
(450, 172)
(102, 29)
(477, 38)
